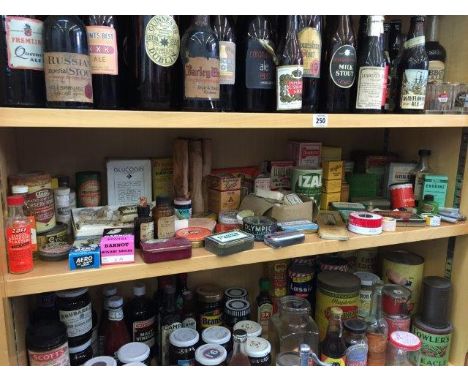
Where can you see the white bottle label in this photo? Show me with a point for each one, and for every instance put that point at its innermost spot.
(436, 71)
(371, 84)
(289, 87)
(227, 63)
(78, 322)
(413, 89)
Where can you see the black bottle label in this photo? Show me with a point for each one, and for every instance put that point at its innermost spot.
(343, 66)
(259, 66)
(162, 40)
(413, 89)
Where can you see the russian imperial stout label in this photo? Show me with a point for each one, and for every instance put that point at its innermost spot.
(371, 83)
(162, 40)
(202, 78)
(259, 66)
(311, 48)
(68, 77)
(289, 87)
(227, 63)
(413, 89)
(343, 66)
(102, 46)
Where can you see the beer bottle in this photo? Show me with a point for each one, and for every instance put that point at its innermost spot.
(333, 346)
(435, 52)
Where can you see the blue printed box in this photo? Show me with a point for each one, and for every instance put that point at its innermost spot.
(85, 254)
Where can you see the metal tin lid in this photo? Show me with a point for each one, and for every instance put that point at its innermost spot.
(403, 257)
(339, 281)
(252, 328)
(437, 282)
(229, 217)
(235, 293)
(133, 352)
(103, 360)
(405, 341)
(184, 337)
(182, 202)
(55, 250)
(237, 307)
(259, 220)
(71, 293)
(355, 325)
(139, 289)
(367, 278)
(239, 335)
(80, 348)
(209, 293)
(194, 234)
(397, 292)
(257, 347)
(210, 355)
(216, 335)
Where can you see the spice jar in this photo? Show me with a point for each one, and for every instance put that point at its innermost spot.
(218, 335)
(235, 293)
(183, 342)
(164, 219)
(356, 342)
(252, 328)
(236, 310)
(183, 208)
(210, 355)
(258, 350)
(365, 293)
(103, 360)
(210, 306)
(134, 352)
(80, 354)
(404, 349)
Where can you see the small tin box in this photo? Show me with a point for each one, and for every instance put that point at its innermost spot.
(85, 254)
(306, 226)
(175, 248)
(227, 243)
(284, 239)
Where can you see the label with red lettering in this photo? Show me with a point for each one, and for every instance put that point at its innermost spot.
(202, 78)
(102, 47)
(289, 87)
(41, 204)
(143, 331)
(55, 357)
(24, 43)
(18, 237)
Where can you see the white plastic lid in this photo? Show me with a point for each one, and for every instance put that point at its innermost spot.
(139, 289)
(182, 202)
(367, 278)
(133, 352)
(210, 355)
(405, 341)
(72, 293)
(218, 335)
(103, 360)
(109, 291)
(20, 189)
(257, 347)
(62, 191)
(78, 349)
(135, 364)
(115, 302)
(253, 329)
(184, 337)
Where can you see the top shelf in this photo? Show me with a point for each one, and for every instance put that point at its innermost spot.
(75, 118)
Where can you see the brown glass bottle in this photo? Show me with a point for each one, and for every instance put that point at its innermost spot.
(340, 67)
(435, 52)
(200, 58)
(223, 27)
(21, 63)
(362, 32)
(333, 346)
(310, 40)
(394, 39)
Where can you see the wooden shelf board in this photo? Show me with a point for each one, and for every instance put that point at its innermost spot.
(51, 276)
(73, 118)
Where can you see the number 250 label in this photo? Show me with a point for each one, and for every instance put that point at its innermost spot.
(320, 120)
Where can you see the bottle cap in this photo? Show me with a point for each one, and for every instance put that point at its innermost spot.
(20, 189)
(139, 289)
(239, 335)
(182, 202)
(405, 341)
(103, 360)
(264, 284)
(62, 191)
(63, 181)
(72, 293)
(235, 293)
(216, 335)
(109, 291)
(210, 355)
(80, 348)
(237, 308)
(115, 302)
(47, 333)
(184, 337)
(133, 352)
(252, 328)
(424, 152)
(429, 198)
(257, 347)
(336, 311)
(355, 325)
(16, 200)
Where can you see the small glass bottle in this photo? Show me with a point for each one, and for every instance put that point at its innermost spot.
(164, 218)
(404, 349)
(333, 346)
(116, 333)
(264, 306)
(417, 175)
(377, 329)
(356, 342)
(239, 357)
(144, 224)
(435, 52)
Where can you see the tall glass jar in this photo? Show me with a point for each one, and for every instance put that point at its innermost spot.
(292, 326)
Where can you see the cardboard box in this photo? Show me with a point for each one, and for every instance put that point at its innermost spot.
(127, 180)
(118, 246)
(397, 172)
(333, 185)
(224, 182)
(327, 198)
(305, 154)
(85, 254)
(247, 175)
(332, 169)
(280, 174)
(221, 201)
(362, 185)
(344, 192)
(331, 153)
(162, 172)
(436, 185)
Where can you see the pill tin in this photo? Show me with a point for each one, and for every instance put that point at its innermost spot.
(259, 226)
(283, 239)
(196, 235)
(156, 250)
(227, 243)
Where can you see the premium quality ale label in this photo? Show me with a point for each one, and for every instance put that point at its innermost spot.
(436, 71)
(371, 83)
(413, 89)
(162, 40)
(227, 63)
(68, 77)
(343, 66)
(311, 48)
(102, 47)
(24, 43)
(202, 78)
(78, 322)
(289, 87)
(259, 66)
(143, 331)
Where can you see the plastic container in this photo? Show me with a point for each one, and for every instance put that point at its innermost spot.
(157, 250)
(230, 242)
(79, 355)
(103, 360)
(252, 328)
(183, 208)
(134, 352)
(182, 347)
(258, 350)
(210, 355)
(403, 349)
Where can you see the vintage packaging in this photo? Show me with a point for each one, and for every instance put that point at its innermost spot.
(117, 246)
(397, 172)
(436, 185)
(331, 185)
(377, 164)
(247, 175)
(262, 182)
(162, 177)
(176, 248)
(333, 169)
(128, 180)
(227, 243)
(328, 198)
(363, 185)
(280, 174)
(307, 182)
(224, 182)
(85, 254)
(305, 154)
(331, 153)
(221, 201)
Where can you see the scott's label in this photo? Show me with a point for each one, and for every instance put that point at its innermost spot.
(227, 63)
(102, 47)
(162, 40)
(143, 331)
(78, 322)
(55, 357)
(343, 66)
(310, 43)
(289, 87)
(24, 43)
(259, 66)
(413, 89)
(371, 85)
(202, 78)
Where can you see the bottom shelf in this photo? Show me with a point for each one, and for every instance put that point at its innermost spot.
(52, 276)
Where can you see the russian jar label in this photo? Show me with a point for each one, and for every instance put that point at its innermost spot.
(371, 83)
(413, 89)
(24, 43)
(259, 66)
(102, 47)
(343, 66)
(68, 77)
(227, 63)
(289, 87)
(310, 43)
(78, 322)
(202, 78)
(436, 71)
(143, 331)
(162, 40)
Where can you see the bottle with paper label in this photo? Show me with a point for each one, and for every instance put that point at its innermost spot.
(169, 320)
(333, 346)
(436, 53)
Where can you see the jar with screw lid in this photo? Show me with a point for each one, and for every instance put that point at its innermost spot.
(210, 355)
(252, 328)
(258, 350)
(182, 347)
(236, 310)
(218, 335)
(80, 354)
(134, 352)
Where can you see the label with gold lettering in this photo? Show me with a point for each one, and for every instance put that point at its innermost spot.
(310, 43)
(202, 78)
(68, 77)
(102, 46)
(162, 40)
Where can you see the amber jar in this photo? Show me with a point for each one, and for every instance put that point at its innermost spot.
(164, 219)
(79, 355)
(210, 306)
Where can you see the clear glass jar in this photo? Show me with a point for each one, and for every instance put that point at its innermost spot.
(404, 349)
(292, 326)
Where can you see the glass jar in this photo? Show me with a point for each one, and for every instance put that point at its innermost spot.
(259, 351)
(365, 293)
(292, 326)
(80, 354)
(289, 358)
(236, 310)
(218, 335)
(404, 349)
(210, 355)
(182, 347)
(252, 328)
(210, 306)
(164, 221)
(134, 352)
(356, 342)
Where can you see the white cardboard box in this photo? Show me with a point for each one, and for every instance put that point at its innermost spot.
(398, 172)
(305, 154)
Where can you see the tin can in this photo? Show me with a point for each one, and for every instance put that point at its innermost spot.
(40, 198)
(402, 195)
(306, 181)
(365, 293)
(301, 277)
(395, 299)
(58, 234)
(398, 322)
(333, 263)
(339, 289)
(406, 269)
(435, 348)
(278, 274)
(366, 260)
(88, 187)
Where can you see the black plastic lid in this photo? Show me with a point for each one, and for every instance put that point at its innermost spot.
(143, 211)
(424, 152)
(237, 307)
(429, 198)
(437, 282)
(45, 335)
(235, 293)
(339, 281)
(355, 325)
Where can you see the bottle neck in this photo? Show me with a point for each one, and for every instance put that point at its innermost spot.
(16, 211)
(201, 21)
(291, 25)
(344, 23)
(416, 28)
(375, 313)
(239, 346)
(433, 28)
(375, 26)
(424, 161)
(335, 326)
(169, 302)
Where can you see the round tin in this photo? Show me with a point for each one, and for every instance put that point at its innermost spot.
(307, 181)
(259, 226)
(54, 251)
(402, 195)
(395, 299)
(58, 234)
(435, 349)
(196, 235)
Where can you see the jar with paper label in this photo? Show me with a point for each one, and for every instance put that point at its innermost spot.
(183, 342)
(210, 306)
(164, 221)
(365, 293)
(218, 335)
(356, 342)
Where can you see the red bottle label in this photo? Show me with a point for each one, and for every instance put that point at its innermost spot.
(20, 259)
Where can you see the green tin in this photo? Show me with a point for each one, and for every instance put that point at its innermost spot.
(307, 181)
(435, 349)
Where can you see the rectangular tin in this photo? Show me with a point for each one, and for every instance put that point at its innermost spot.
(284, 239)
(228, 243)
(157, 250)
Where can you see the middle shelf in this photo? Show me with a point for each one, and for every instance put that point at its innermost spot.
(52, 276)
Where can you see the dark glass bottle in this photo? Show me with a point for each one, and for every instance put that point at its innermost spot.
(310, 40)
(264, 306)
(143, 223)
(107, 292)
(393, 77)
(394, 39)
(116, 331)
(435, 52)
(340, 67)
(189, 314)
(413, 70)
(223, 27)
(333, 346)
(386, 49)
(103, 34)
(181, 282)
(257, 65)
(371, 76)
(46, 308)
(362, 33)
(21, 61)
(154, 45)
(200, 58)
(169, 321)
(67, 66)
(289, 71)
